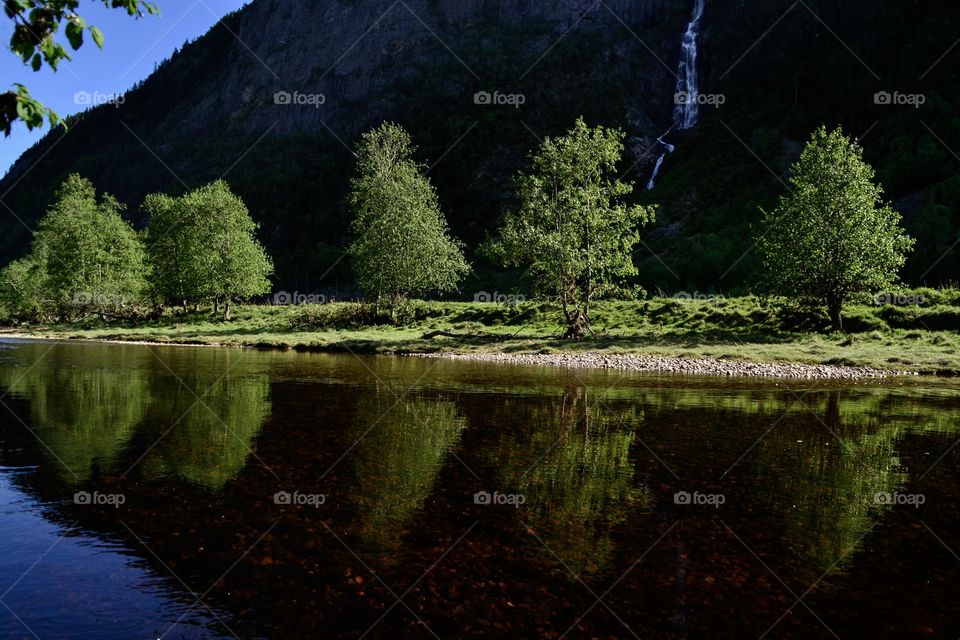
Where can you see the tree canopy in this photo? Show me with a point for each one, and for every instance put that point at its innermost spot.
(203, 248)
(85, 258)
(832, 235)
(402, 246)
(572, 229)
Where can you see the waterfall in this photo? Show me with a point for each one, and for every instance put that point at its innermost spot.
(686, 111)
(656, 169)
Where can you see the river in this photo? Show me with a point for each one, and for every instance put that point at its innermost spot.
(179, 492)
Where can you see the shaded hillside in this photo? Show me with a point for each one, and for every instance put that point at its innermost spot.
(211, 109)
(785, 71)
(213, 101)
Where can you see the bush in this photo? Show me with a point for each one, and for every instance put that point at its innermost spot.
(862, 320)
(347, 315)
(351, 315)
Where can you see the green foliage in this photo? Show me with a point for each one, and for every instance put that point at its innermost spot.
(20, 104)
(398, 463)
(572, 230)
(84, 411)
(85, 259)
(178, 276)
(35, 27)
(203, 247)
(833, 235)
(402, 245)
(21, 294)
(211, 411)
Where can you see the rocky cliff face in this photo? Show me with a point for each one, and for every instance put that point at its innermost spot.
(370, 59)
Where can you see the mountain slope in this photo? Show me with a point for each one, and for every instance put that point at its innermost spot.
(211, 110)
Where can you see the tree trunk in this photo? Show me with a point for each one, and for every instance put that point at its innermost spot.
(831, 416)
(226, 311)
(835, 307)
(578, 326)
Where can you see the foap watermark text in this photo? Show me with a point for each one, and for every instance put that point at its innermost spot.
(499, 298)
(685, 498)
(497, 498)
(485, 98)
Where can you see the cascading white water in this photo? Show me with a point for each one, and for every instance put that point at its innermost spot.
(656, 169)
(686, 111)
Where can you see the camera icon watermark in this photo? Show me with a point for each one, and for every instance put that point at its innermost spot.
(286, 98)
(485, 98)
(685, 498)
(97, 499)
(899, 499)
(496, 498)
(886, 98)
(299, 499)
(86, 299)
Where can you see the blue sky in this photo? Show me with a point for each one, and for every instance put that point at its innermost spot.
(132, 49)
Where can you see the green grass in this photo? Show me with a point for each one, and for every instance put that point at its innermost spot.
(920, 338)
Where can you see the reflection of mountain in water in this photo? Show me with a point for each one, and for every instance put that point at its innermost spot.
(398, 461)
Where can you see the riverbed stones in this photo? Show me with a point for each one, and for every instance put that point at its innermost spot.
(668, 364)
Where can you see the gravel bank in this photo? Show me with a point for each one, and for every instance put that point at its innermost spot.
(689, 366)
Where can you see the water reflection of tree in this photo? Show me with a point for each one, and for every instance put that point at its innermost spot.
(570, 458)
(827, 482)
(82, 415)
(86, 404)
(210, 439)
(398, 460)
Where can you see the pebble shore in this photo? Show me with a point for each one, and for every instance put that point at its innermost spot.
(687, 366)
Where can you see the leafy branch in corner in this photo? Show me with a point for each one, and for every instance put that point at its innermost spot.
(36, 24)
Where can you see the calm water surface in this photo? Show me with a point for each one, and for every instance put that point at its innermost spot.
(205, 493)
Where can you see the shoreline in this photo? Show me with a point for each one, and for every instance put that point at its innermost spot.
(142, 343)
(639, 363)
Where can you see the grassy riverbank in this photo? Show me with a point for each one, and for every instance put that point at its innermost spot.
(918, 338)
